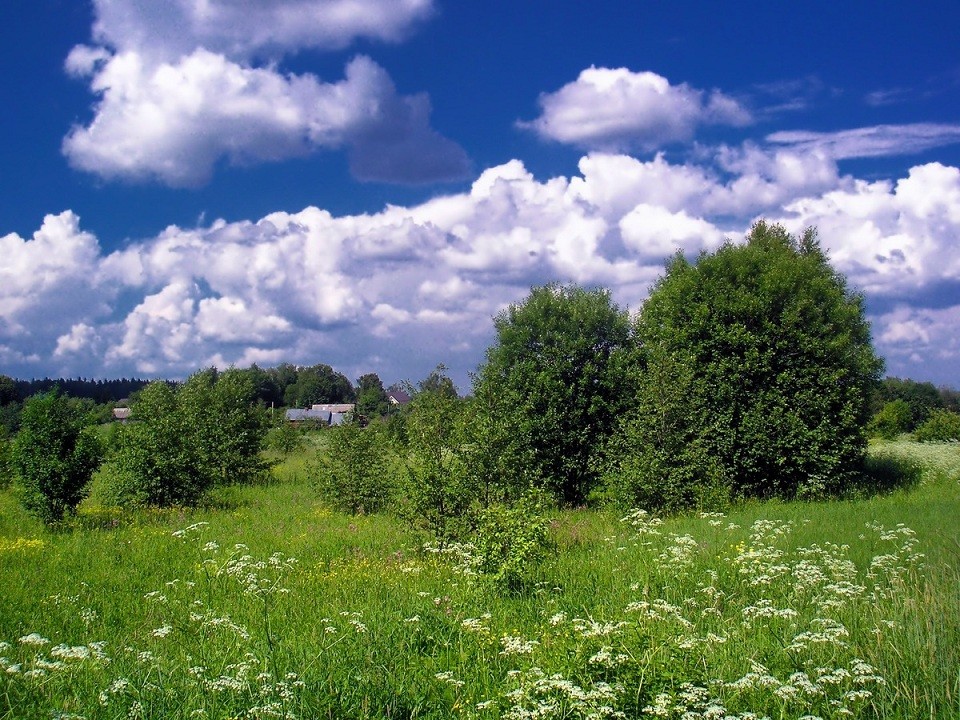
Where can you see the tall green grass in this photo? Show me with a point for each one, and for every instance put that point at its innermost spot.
(267, 604)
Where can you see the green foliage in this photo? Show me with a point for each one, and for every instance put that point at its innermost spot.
(372, 402)
(8, 390)
(353, 473)
(760, 364)
(660, 458)
(285, 438)
(6, 468)
(10, 417)
(511, 540)
(53, 457)
(941, 425)
(9, 407)
(920, 397)
(436, 382)
(318, 384)
(551, 388)
(894, 419)
(186, 440)
(438, 489)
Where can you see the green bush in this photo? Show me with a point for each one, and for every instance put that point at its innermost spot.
(942, 425)
(285, 438)
(438, 488)
(185, 440)
(6, 470)
(548, 396)
(53, 457)
(894, 419)
(657, 461)
(511, 540)
(353, 472)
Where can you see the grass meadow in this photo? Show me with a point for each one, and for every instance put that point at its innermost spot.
(268, 605)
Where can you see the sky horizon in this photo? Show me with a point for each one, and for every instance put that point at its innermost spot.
(190, 183)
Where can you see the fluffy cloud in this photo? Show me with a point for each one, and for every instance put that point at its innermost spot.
(617, 109)
(917, 337)
(399, 290)
(167, 29)
(177, 93)
(173, 122)
(892, 239)
(47, 287)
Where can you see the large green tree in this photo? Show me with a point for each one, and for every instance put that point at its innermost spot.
(318, 384)
(53, 457)
(372, 401)
(548, 395)
(758, 369)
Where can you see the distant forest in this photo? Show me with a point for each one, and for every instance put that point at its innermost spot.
(100, 391)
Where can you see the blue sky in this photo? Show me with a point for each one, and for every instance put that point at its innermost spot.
(367, 182)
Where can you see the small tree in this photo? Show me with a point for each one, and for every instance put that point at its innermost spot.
(155, 462)
(372, 401)
(438, 490)
(774, 362)
(553, 384)
(53, 457)
(353, 474)
(285, 438)
(186, 440)
(6, 469)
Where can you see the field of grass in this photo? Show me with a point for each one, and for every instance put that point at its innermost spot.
(267, 604)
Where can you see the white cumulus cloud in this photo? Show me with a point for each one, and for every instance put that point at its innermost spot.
(399, 290)
(618, 109)
(48, 287)
(174, 122)
(891, 239)
(177, 92)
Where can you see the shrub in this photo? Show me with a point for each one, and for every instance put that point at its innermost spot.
(549, 393)
(186, 440)
(657, 461)
(511, 540)
(438, 488)
(285, 438)
(352, 475)
(894, 419)
(940, 426)
(6, 470)
(53, 457)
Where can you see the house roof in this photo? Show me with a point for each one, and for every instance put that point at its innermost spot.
(398, 397)
(296, 414)
(335, 407)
